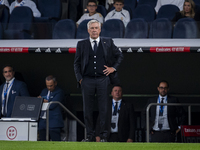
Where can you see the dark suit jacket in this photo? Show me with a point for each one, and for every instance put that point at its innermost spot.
(55, 114)
(126, 122)
(19, 88)
(172, 113)
(113, 57)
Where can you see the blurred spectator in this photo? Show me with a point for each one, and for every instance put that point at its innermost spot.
(119, 12)
(187, 12)
(4, 2)
(178, 3)
(91, 7)
(73, 9)
(28, 3)
(109, 4)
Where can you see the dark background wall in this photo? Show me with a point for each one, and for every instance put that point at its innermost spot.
(139, 74)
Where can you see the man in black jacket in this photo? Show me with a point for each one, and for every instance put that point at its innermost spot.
(95, 65)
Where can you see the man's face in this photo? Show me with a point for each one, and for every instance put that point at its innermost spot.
(117, 93)
(118, 6)
(163, 89)
(51, 85)
(91, 7)
(94, 30)
(8, 73)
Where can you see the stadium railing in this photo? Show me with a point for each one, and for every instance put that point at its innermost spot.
(168, 104)
(69, 112)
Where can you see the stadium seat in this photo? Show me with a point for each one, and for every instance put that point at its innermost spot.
(136, 28)
(149, 2)
(161, 28)
(197, 2)
(131, 3)
(144, 11)
(165, 13)
(82, 31)
(20, 24)
(185, 28)
(50, 10)
(5, 14)
(102, 10)
(113, 28)
(64, 29)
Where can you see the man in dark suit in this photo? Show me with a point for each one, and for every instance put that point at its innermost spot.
(121, 120)
(51, 93)
(9, 90)
(95, 65)
(163, 119)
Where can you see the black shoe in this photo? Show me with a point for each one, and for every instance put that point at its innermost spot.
(89, 139)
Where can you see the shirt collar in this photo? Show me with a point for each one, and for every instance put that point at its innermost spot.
(10, 80)
(119, 101)
(91, 40)
(165, 97)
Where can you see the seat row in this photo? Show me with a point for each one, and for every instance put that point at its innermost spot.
(136, 28)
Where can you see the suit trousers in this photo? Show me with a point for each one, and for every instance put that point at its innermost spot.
(162, 136)
(92, 86)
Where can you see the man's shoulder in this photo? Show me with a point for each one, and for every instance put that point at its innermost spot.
(125, 11)
(83, 41)
(18, 82)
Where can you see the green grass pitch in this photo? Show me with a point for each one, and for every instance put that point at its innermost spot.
(27, 145)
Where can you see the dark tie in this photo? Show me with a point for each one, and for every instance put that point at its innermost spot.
(95, 46)
(161, 113)
(161, 107)
(115, 110)
(5, 98)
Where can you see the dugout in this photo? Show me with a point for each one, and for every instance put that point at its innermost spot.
(146, 62)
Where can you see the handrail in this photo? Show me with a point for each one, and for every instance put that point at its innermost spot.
(168, 104)
(69, 112)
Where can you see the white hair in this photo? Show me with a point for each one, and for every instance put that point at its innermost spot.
(93, 21)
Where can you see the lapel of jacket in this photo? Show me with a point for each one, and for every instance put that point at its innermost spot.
(12, 90)
(86, 48)
(121, 112)
(103, 42)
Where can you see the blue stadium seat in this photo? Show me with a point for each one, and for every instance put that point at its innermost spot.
(145, 11)
(136, 28)
(64, 29)
(82, 31)
(50, 10)
(102, 10)
(113, 28)
(149, 2)
(4, 18)
(167, 11)
(197, 2)
(185, 28)
(20, 24)
(161, 28)
(131, 3)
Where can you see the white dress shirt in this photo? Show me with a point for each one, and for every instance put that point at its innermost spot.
(2, 95)
(165, 119)
(117, 116)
